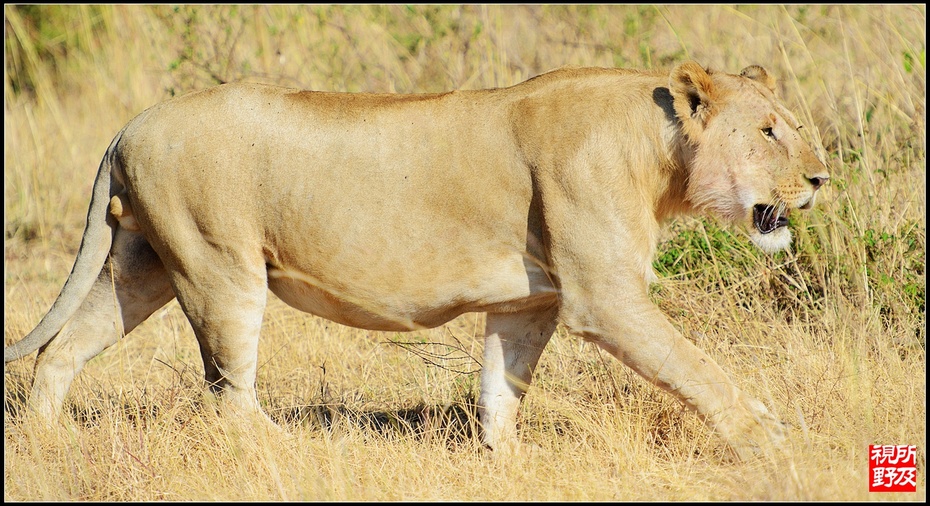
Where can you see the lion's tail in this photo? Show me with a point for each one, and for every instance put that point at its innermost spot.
(95, 246)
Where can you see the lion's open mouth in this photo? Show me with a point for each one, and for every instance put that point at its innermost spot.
(768, 218)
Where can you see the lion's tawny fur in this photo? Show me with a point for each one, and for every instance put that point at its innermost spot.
(539, 204)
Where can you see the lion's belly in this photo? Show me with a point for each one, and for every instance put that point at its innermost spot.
(371, 303)
(405, 246)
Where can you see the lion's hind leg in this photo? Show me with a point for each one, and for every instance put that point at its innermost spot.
(130, 287)
(223, 293)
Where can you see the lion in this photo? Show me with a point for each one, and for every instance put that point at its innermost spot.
(538, 204)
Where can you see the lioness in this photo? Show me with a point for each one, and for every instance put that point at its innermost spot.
(538, 203)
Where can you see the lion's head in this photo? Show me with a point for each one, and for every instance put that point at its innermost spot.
(750, 164)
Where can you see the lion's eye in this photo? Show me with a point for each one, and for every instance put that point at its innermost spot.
(768, 132)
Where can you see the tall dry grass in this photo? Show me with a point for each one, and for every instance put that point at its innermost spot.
(831, 335)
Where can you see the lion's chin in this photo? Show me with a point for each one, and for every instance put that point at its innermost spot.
(776, 240)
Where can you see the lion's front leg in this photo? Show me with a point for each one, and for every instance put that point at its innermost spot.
(643, 339)
(513, 345)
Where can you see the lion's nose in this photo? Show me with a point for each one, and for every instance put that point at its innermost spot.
(818, 181)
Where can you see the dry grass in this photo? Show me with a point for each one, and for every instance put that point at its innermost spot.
(831, 336)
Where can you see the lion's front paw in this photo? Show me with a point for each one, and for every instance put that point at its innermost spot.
(755, 431)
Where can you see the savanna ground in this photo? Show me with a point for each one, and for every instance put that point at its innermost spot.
(831, 335)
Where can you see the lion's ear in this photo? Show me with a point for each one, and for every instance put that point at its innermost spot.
(759, 74)
(695, 97)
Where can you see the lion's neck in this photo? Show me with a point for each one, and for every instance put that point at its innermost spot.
(672, 196)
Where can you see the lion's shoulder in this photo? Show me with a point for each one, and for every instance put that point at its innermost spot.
(578, 73)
